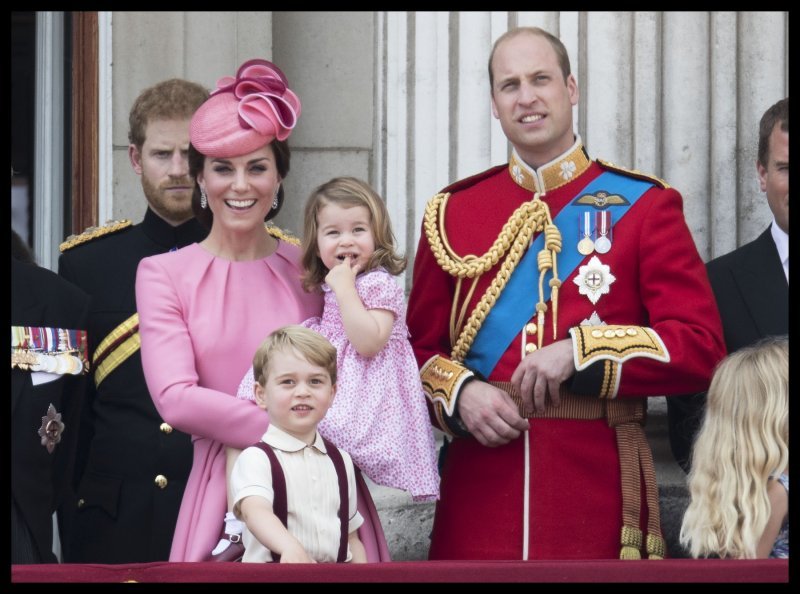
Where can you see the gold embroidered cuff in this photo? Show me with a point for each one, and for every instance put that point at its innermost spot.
(616, 343)
(442, 380)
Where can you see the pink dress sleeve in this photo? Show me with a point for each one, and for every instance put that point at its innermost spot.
(168, 360)
(378, 290)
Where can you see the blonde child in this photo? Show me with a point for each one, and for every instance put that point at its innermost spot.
(739, 482)
(294, 490)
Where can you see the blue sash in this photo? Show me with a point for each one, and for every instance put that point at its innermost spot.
(517, 303)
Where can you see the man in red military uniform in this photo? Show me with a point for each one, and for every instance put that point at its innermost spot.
(550, 297)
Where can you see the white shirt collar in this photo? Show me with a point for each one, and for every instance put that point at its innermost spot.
(781, 239)
(278, 438)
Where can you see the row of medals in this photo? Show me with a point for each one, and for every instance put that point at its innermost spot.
(602, 244)
(60, 363)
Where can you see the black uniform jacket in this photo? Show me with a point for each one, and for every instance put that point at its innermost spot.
(131, 466)
(40, 479)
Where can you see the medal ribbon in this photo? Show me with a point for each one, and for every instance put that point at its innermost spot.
(603, 227)
(517, 303)
(30, 342)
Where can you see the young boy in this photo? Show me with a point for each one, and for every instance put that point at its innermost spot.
(295, 371)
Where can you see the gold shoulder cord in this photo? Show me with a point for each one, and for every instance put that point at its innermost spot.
(279, 233)
(531, 217)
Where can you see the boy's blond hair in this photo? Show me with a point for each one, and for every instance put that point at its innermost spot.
(313, 347)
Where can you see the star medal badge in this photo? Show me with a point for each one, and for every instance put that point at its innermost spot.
(594, 279)
(51, 428)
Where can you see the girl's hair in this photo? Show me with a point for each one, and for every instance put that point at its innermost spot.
(348, 192)
(742, 443)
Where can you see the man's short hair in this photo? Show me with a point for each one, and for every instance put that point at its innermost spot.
(173, 99)
(777, 114)
(555, 42)
(314, 348)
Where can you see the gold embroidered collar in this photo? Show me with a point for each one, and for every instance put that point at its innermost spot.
(552, 175)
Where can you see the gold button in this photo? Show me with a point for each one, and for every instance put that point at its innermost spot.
(530, 347)
(81, 502)
(609, 333)
(161, 481)
(530, 328)
(620, 332)
(597, 333)
(631, 332)
(166, 428)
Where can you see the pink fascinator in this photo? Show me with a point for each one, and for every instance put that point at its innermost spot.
(245, 112)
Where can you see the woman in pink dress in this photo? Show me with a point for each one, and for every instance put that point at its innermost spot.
(204, 309)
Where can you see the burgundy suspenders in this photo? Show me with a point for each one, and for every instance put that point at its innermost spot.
(344, 508)
(279, 503)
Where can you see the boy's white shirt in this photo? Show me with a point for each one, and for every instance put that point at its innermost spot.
(312, 493)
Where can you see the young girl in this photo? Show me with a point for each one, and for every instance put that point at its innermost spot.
(739, 482)
(379, 415)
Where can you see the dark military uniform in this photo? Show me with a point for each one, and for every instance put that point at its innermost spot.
(45, 409)
(131, 467)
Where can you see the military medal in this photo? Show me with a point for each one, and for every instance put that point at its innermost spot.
(51, 429)
(603, 242)
(49, 350)
(585, 245)
(594, 279)
(77, 365)
(49, 363)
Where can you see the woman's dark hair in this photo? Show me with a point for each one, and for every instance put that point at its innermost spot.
(280, 148)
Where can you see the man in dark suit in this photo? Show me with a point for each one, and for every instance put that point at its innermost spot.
(48, 370)
(751, 284)
(131, 466)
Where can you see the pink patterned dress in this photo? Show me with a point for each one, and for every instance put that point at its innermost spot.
(379, 415)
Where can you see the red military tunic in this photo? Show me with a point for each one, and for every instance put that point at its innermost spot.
(570, 487)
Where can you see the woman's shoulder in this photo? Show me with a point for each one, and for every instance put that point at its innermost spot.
(289, 252)
(178, 259)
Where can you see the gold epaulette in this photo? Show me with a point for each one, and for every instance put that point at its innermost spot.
(281, 234)
(633, 173)
(91, 233)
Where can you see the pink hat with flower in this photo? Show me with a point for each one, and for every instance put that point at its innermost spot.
(246, 112)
